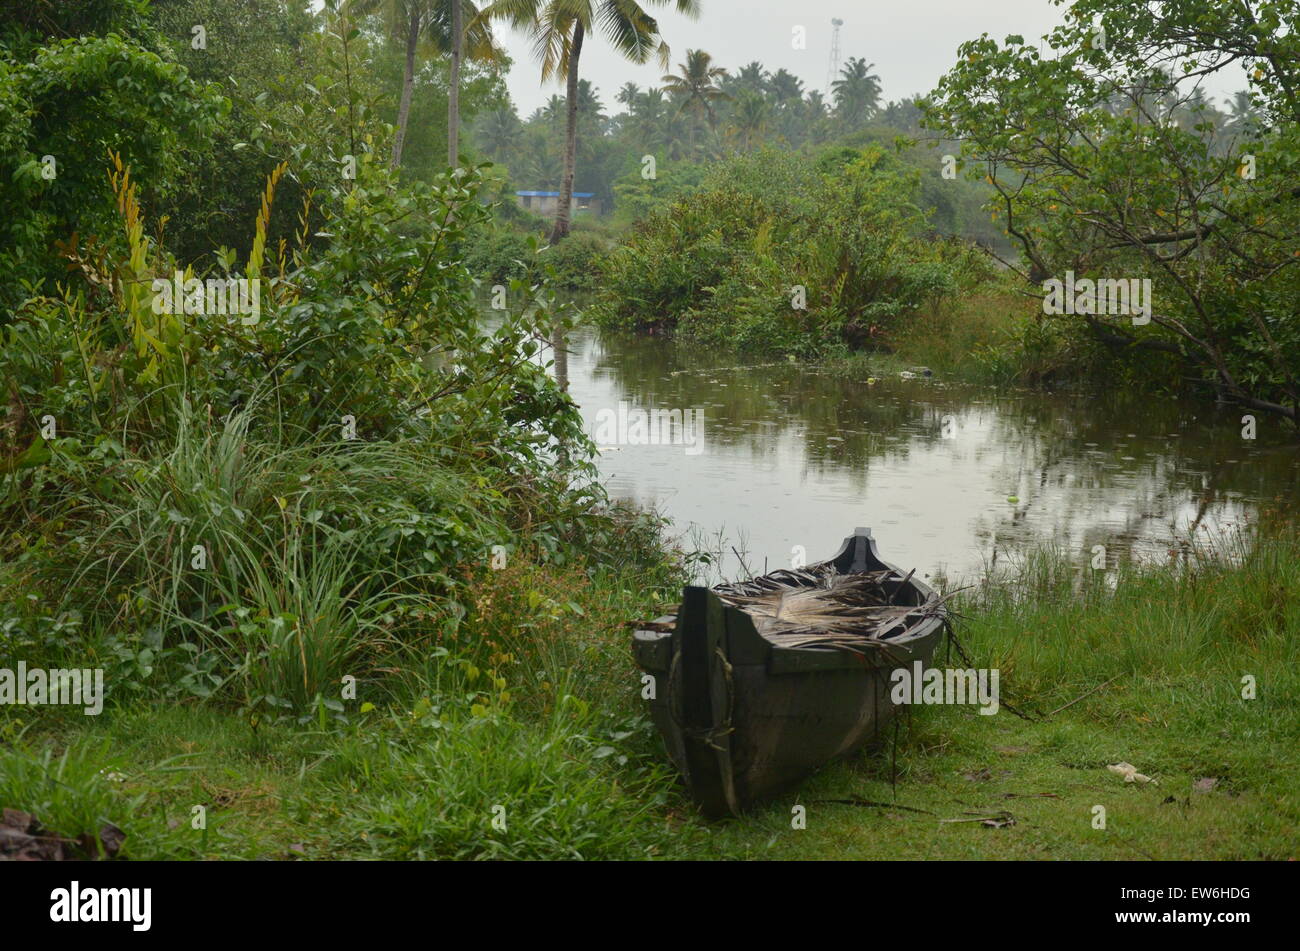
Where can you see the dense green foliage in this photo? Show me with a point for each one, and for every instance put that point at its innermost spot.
(1128, 173)
(770, 257)
(696, 120)
(199, 431)
(250, 506)
(502, 251)
(346, 553)
(66, 101)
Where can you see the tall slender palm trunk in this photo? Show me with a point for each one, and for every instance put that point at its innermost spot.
(408, 86)
(560, 346)
(453, 91)
(561, 229)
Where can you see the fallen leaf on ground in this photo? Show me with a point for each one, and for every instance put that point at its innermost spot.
(1130, 773)
(111, 837)
(22, 839)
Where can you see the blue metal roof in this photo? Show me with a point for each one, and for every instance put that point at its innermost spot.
(554, 194)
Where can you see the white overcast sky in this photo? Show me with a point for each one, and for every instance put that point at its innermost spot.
(912, 42)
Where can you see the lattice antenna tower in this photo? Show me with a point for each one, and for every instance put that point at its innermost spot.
(833, 65)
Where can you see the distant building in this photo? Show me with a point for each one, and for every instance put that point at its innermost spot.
(547, 204)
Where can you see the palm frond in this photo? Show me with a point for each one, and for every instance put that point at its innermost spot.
(629, 29)
(818, 606)
(553, 34)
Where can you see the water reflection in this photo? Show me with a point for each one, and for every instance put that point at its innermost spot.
(797, 457)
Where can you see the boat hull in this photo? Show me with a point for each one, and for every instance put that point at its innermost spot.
(743, 719)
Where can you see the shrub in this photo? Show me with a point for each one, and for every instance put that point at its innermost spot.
(576, 261)
(772, 257)
(497, 254)
(254, 510)
(63, 106)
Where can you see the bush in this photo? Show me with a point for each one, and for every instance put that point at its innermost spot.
(63, 107)
(771, 257)
(499, 254)
(576, 261)
(254, 510)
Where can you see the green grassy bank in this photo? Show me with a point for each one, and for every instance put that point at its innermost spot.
(1144, 667)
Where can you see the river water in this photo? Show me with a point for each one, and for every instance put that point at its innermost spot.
(951, 478)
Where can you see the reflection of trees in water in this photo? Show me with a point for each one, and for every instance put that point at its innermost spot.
(560, 354)
(838, 426)
(1065, 458)
(1063, 455)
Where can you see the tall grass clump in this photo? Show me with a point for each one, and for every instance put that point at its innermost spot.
(1202, 621)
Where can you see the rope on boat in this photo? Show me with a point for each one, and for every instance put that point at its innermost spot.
(706, 735)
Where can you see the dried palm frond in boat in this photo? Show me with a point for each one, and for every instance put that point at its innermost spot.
(821, 606)
(757, 683)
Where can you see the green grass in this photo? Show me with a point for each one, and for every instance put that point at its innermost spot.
(402, 784)
(512, 715)
(543, 720)
(1177, 643)
(1050, 777)
(967, 336)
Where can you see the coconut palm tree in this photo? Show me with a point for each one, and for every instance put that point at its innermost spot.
(785, 86)
(1194, 109)
(815, 105)
(1153, 97)
(648, 111)
(1244, 118)
(857, 91)
(695, 84)
(749, 118)
(552, 113)
(498, 132)
(813, 114)
(904, 115)
(627, 94)
(589, 104)
(752, 76)
(453, 82)
(535, 160)
(429, 26)
(676, 136)
(558, 29)
(649, 105)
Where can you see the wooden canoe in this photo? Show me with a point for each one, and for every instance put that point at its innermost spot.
(745, 716)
